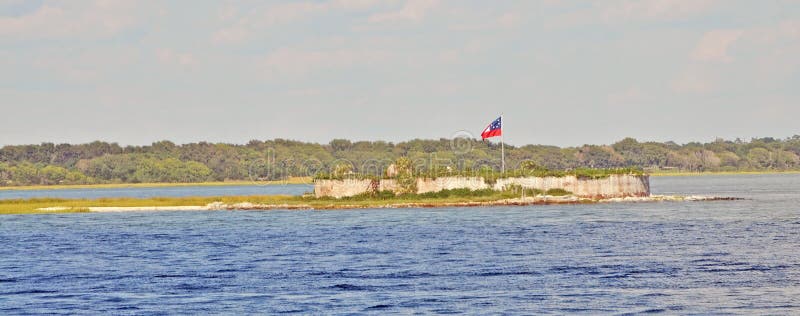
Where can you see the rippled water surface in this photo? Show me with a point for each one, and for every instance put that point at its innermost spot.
(737, 257)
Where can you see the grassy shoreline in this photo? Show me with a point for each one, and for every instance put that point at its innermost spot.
(263, 203)
(293, 180)
(448, 198)
(34, 206)
(456, 197)
(31, 206)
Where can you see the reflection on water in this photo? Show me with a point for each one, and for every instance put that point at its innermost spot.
(736, 257)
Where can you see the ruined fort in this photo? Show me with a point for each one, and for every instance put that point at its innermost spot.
(612, 186)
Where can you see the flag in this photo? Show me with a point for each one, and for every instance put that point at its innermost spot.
(494, 129)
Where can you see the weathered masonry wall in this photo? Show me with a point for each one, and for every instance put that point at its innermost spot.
(341, 188)
(609, 187)
(449, 183)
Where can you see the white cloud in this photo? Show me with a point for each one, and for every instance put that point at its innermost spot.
(412, 10)
(695, 80)
(504, 21)
(227, 13)
(508, 20)
(168, 56)
(76, 65)
(714, 45)
(624, 11)
(11, 3)
(71, 20)
(783, 32)
(232, 34)
(654, 9)
(373, 54)
(263, 17)
(354, 4)
(773, 50)
(287, 61)
(628, 97)
(767, 56)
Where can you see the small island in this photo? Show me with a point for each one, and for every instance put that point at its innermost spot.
(400, 186)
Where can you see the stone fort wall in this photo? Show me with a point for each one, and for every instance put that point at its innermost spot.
(610, 187)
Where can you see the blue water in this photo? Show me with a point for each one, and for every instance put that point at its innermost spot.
(287, 189)
(726, 257)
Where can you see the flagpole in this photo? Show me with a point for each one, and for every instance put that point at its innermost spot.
(502, 146)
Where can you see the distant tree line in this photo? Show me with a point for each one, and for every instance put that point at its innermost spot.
(164, 161)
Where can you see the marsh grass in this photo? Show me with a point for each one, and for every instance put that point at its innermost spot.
(383, 198)
(30, 206)
(444, 196)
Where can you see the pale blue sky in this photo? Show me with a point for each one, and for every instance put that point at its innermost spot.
(562, 72)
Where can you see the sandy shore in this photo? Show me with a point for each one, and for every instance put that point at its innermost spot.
(148, 208)
(538, 200)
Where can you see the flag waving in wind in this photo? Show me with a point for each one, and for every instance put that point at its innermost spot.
(494, 129)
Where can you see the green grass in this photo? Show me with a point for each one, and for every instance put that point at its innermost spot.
(30, 206)
(558, 192)
(423, 200)
(293, 180)
(491, 176)
(450, 195)
(384, 198)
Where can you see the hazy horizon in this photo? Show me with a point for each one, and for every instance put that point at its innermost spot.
(563, 73)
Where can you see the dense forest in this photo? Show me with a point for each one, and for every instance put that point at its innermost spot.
(164, 161)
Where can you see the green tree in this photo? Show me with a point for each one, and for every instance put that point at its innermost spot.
(340, 145)
(342, 169)
(403, 165)
(24, 174)
(760, 158)
(76, 177)
(405, 175)
(5, 173)
(197, 172)
(529, 165)
(728, 159)
(787, 159)
(52, 175)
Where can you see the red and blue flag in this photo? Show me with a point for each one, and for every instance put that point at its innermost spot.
(494, 129)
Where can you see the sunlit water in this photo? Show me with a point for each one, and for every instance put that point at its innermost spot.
(738, 257)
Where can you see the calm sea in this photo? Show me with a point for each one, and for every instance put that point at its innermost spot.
(726, 257)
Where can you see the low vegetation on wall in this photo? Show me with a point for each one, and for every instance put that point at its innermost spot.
(406, 174)
(508, 193)
(401, 178)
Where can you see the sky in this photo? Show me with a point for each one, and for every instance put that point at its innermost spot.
(560, 72)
